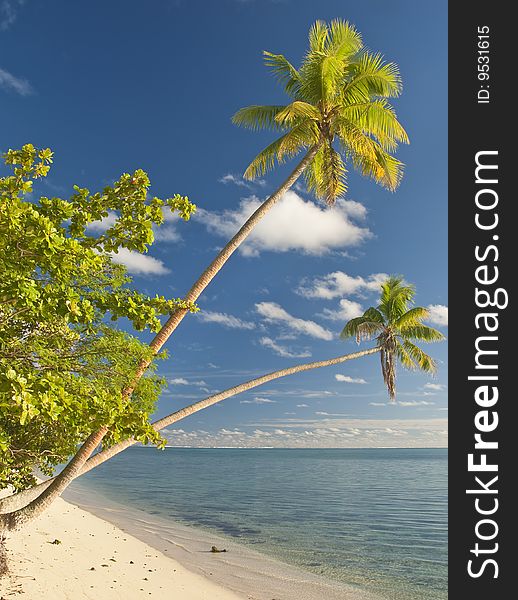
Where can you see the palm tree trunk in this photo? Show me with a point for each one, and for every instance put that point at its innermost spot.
(16, 519)
(210, 272)
(20, 499)
(217, 264)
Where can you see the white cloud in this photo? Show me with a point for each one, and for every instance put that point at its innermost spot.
(229, 321)
(438, 314)
(8, 81)
(347, 310)
(292, 224)
(415, 403)
(283, 351)
(8, 12)
(178, 381)
(139, 264)
(235, 179)
(438, 387)
(258, 400)
(327, 432)
(274, 313)
(347, 379)
(239, 181)
(334, 285)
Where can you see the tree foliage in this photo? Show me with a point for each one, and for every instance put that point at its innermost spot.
(396, 326)
(63, 361)
(338, 101)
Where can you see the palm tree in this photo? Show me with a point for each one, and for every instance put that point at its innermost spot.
(339, 93)
(396, 325)
(338, 97)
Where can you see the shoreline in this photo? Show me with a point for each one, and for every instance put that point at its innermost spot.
(71, 554)
(88, 547)
(247, 573)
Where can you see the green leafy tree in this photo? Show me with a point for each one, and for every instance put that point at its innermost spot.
(63, 366)
(396, 325)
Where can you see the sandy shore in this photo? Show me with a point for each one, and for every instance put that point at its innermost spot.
(70, 554)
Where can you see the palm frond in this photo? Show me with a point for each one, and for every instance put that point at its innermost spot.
(424, 362)
(370, 76)
(318, 35)
(344, 39)
(368, 157)
(326, 176)
(412, 317)
(284, 71)
(422, 333)
(295, 111)
(361, 328)
(287, 146)
(405, 359)
(388, 370)
(259, 117)
(378, 119)
(322, 78)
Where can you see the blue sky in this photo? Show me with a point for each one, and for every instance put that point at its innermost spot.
(115, 86)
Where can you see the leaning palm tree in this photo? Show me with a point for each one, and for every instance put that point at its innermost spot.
(339, 95)
(396, 325)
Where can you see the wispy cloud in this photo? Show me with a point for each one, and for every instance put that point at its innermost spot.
(293, 224)
(258, 400)
(438, 315)
(178, 381)
(437, 387)
(139, 264)
(347, 379)
(321, 432)
(274, 313)
(283, 351)
(415, 403)
(224, 319)
(337, 284)
(9, 12)
(239, 181)
(10, 82)
(404, 403)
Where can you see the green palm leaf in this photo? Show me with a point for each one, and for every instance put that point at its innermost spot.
(422, 333)
(259, 117)
(284, 71)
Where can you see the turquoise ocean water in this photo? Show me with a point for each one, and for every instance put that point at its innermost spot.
(374, 518)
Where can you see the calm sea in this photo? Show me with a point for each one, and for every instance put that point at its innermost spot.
(374, 518)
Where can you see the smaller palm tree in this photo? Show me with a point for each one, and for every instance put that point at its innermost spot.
(396, 325)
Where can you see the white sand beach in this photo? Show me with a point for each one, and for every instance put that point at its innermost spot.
(70, 554)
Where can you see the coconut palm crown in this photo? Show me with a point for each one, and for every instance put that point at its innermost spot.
(396, 325)
(338, 98)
